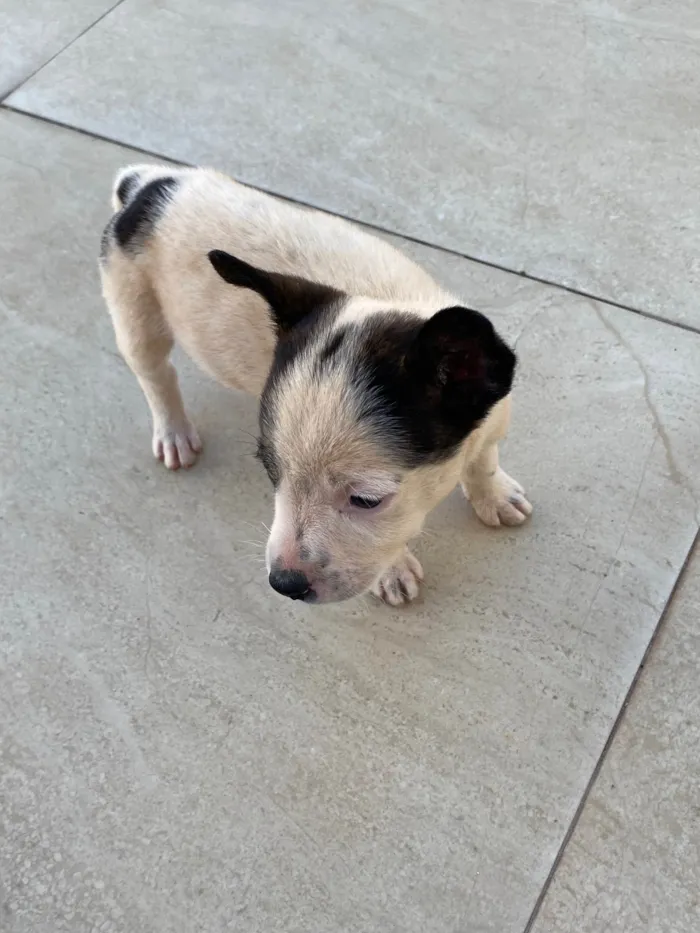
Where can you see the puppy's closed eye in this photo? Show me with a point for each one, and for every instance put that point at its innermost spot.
(366, 502)
(266, 456)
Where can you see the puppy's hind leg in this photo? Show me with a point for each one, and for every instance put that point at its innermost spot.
(145, 342)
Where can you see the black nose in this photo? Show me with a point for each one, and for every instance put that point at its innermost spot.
(292, 583)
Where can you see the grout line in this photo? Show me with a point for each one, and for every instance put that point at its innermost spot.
(63, 48)
(550, 283)
(695, 546)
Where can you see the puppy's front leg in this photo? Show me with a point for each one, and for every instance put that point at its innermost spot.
(401, 582)
(495, 497)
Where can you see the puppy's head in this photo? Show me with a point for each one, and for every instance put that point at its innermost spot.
(362, 424)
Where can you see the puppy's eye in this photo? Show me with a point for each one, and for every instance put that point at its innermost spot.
(265, 455)
(366, 502)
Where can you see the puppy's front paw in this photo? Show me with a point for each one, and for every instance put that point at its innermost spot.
(401, 583)
(499, 500)
(177, 445)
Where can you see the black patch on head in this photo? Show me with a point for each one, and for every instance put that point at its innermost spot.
(422, 385)
(301, 310)
(127, 186)
(291, 298)
(425, 385)
(137, 219)
(331, 349)
(290, 344)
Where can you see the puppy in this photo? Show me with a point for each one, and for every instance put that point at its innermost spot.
(378, 391)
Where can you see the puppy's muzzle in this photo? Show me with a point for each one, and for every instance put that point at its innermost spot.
(291, 583)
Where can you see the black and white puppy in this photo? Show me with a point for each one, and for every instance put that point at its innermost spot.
(379, 391)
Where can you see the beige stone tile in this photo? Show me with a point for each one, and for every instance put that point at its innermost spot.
(183, 751)
(551, 137)
(633, 862)
(33, 31)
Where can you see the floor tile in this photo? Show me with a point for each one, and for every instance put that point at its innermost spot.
(33, 31)
(184, 752)
(633, 862)
(556, 138)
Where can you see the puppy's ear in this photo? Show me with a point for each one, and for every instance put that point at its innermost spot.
(290, 298)
(458, 353)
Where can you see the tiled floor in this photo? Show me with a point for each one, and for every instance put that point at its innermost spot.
(560, 138)
(33, 31)
(180, 751)
(634, 860)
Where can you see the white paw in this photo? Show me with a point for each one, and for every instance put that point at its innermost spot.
(499, 502)
(177, 445)
(401, 583)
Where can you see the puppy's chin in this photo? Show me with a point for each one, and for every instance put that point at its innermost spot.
(336, 587)
(327, 597)
(324, 591)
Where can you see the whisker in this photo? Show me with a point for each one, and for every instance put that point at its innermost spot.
(253, 525)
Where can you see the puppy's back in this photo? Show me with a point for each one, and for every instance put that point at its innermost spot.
(208, 210)
(167, 221)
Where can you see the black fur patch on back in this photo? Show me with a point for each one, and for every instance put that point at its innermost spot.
(107, 239)
(127, 186)
(137, 219)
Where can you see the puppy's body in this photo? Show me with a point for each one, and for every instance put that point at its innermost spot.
(373, 405)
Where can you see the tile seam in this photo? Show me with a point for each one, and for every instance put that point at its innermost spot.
(4, 97)
(619, 719)
(378, 228)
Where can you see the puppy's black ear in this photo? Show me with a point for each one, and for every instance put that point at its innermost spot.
(290, 298)
(458, 353)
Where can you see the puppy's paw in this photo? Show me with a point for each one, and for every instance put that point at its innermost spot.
(499, 500)
(401, 583)
(177, 445)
